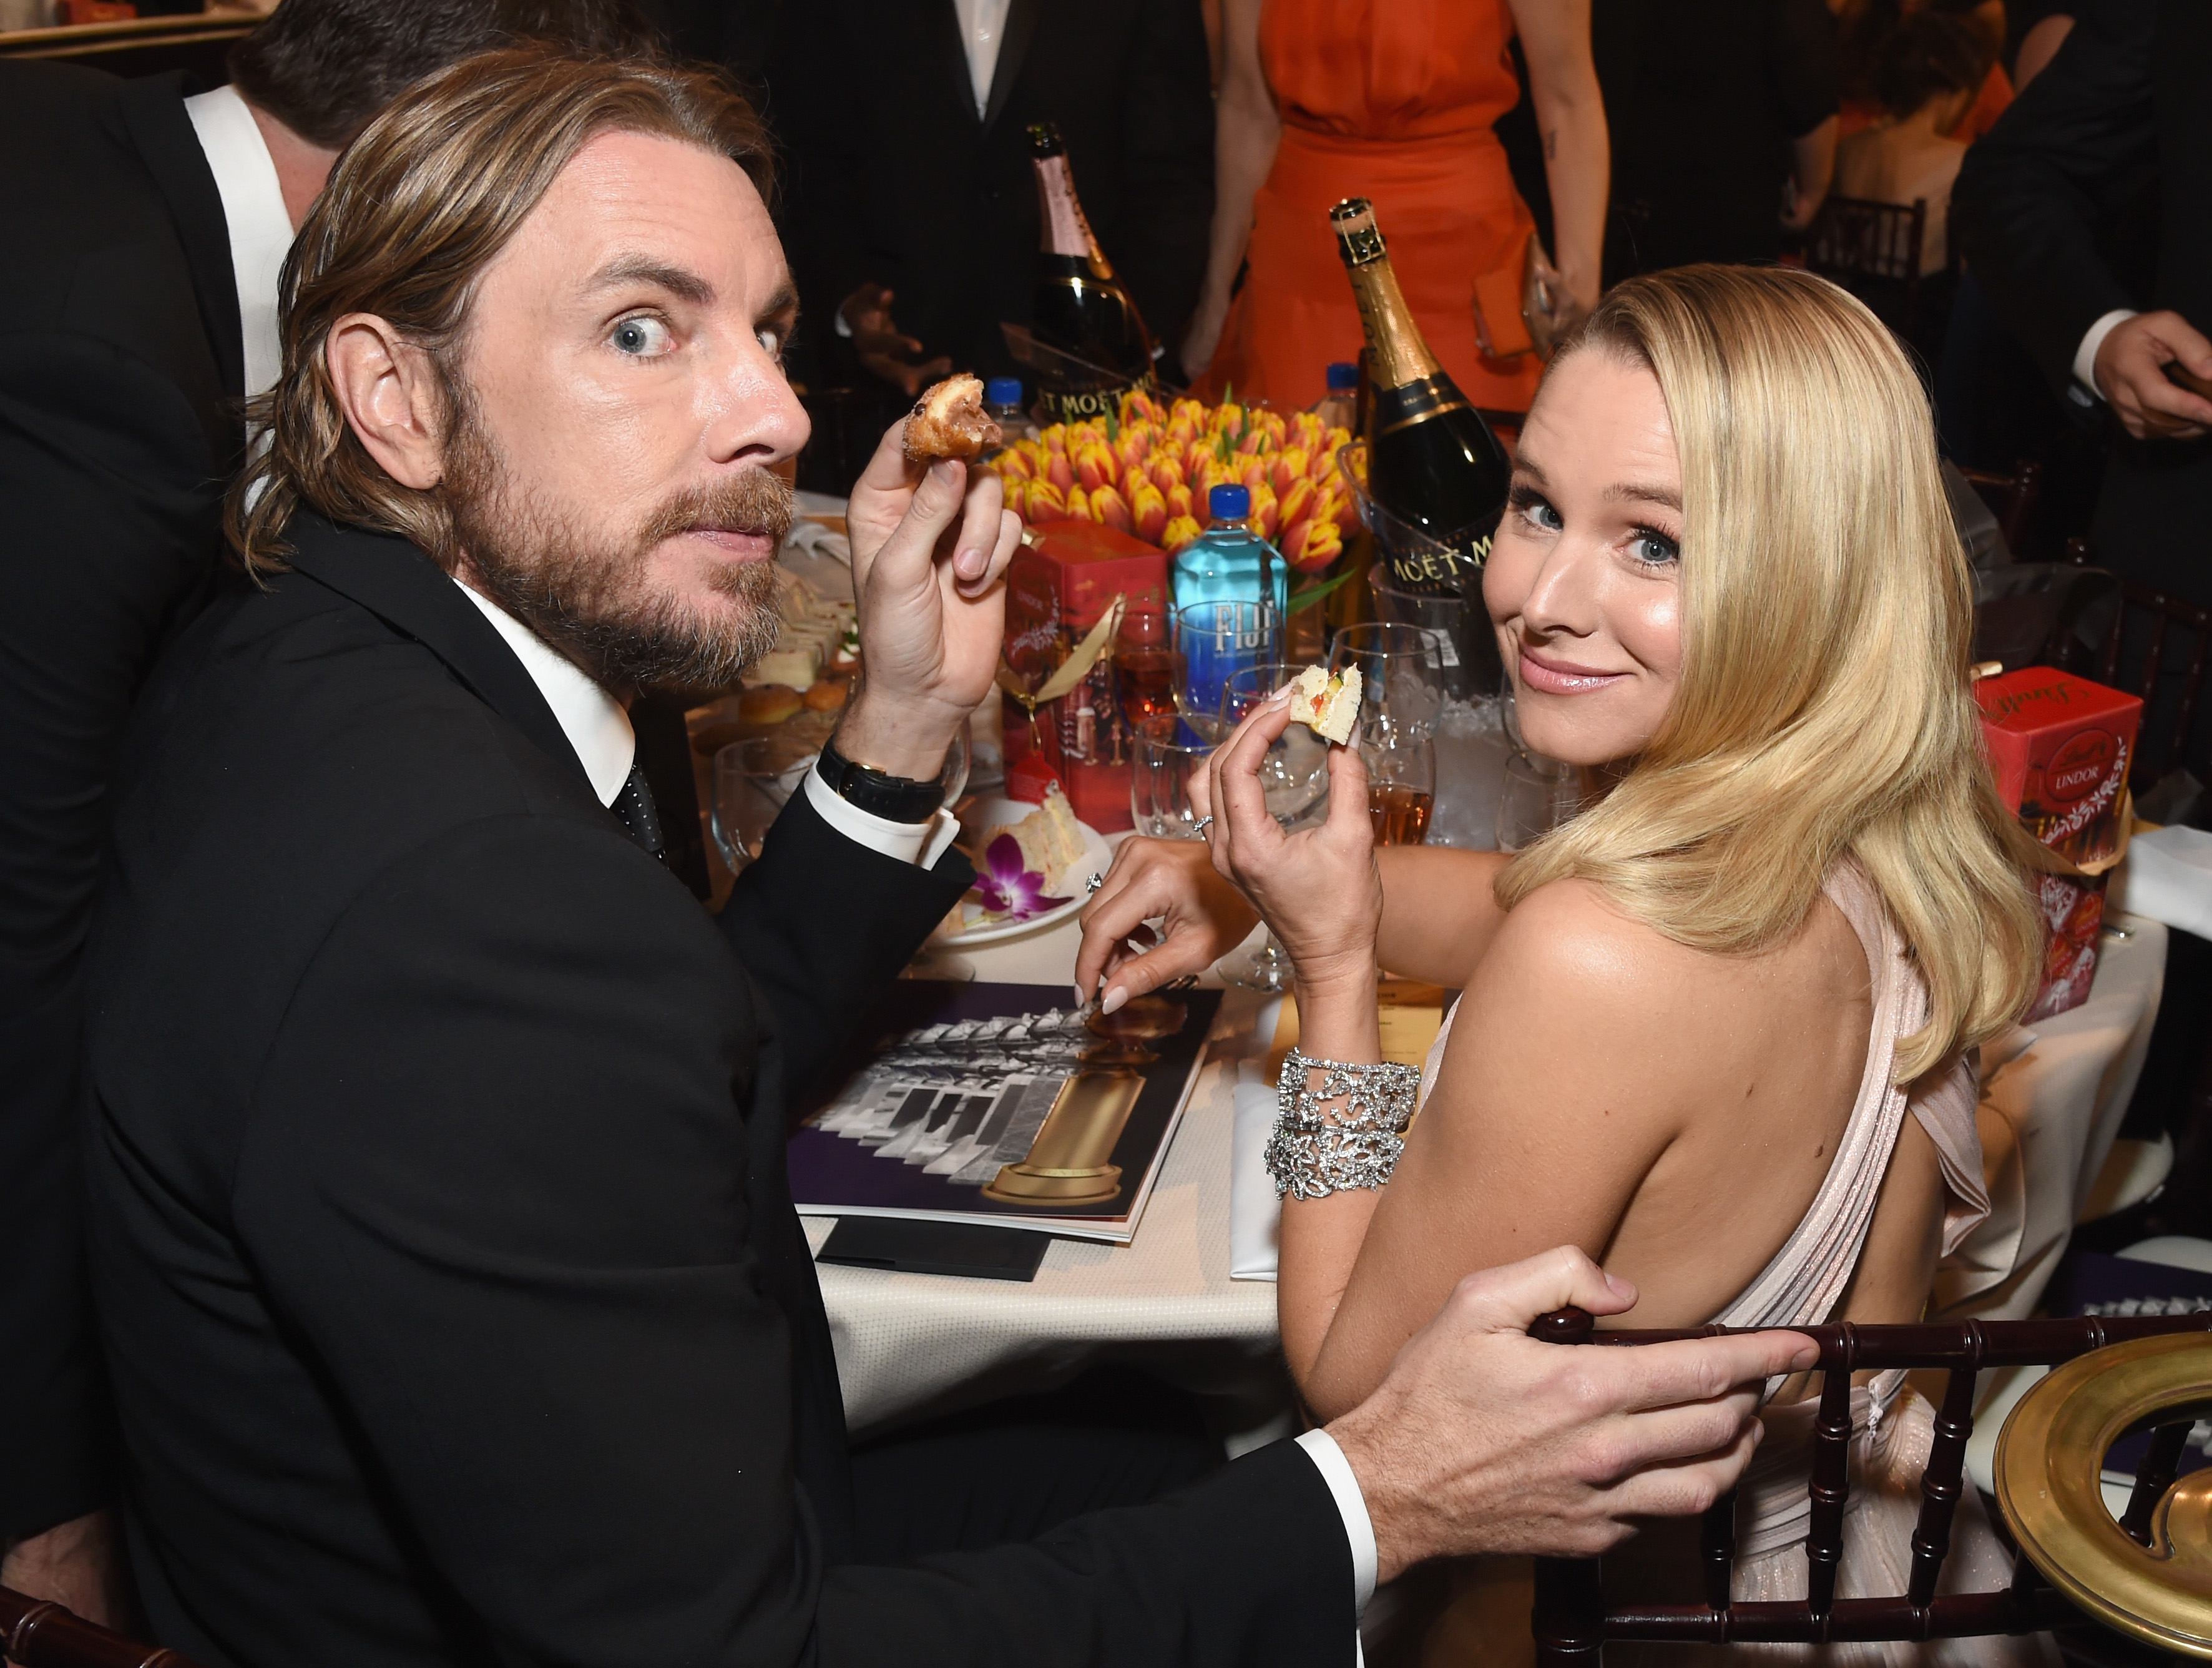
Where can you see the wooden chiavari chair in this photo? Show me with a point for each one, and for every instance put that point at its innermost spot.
(1573, 1623)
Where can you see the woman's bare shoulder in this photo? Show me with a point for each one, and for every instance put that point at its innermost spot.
(1574, 934)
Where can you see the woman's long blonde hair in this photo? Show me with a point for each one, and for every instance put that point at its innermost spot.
(1823, 708)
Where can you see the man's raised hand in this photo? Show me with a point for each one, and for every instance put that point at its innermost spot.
(930, 549)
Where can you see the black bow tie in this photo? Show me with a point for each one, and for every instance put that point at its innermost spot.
(635, 806)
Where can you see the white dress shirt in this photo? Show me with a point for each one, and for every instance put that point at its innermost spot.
(600, 730)
(983, 29)
(253, 211)
(2085, 357)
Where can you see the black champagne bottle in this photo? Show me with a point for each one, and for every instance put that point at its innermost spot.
(1432, 460)
(1081, 308)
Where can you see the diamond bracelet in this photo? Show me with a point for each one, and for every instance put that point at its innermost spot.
(1313, 1153)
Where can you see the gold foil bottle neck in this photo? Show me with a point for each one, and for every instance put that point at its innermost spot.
(1359, 238)
(1397, 353)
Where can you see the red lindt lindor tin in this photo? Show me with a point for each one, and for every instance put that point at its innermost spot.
(2061, 747)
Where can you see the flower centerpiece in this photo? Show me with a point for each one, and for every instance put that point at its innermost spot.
(1146, 470)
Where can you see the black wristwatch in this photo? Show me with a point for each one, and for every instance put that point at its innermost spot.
(896, 799)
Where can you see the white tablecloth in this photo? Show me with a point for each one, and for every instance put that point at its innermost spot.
(910, 1345)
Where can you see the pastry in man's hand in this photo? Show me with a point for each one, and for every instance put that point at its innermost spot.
(949, 422)
(1327, 706)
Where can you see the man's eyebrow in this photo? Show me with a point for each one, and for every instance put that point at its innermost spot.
(1643, 493)
(783, 299)
(647, 269)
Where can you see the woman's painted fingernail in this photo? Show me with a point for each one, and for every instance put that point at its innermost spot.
(1080, 997)
(1284, 690)
(1115, 999)
(1281, 697)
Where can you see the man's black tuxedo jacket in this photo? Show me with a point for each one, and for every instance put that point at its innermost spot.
(120, 368)
(893, 178)
(2127, 90)
(455, 1303)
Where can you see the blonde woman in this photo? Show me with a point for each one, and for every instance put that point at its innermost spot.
(1717, 1031)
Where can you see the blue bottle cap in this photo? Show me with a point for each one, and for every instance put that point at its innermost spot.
(1003, 391)
(1229, 503)
(1343, 379)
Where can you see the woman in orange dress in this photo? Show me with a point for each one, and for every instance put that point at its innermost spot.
(1328, 99)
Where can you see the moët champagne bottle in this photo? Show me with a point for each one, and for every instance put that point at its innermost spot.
(1432, 460)
(1080, 308)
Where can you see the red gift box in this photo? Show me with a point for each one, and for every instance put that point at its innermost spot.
(1056, 591)
(2061, 747)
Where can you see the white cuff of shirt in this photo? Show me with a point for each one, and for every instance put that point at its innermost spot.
(2085, 357)
(918, 844)
(1352, 1506)
(837, 319)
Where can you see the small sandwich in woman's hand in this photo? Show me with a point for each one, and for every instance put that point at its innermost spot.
(949, 422)
(1327, 706)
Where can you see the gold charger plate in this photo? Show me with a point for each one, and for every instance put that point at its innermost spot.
(2048, 1461)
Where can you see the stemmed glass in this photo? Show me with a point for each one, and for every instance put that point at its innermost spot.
(1213, 640)
(1538, 794)
(1402, 689)
(1147, 671)
(1294, 781)
(1160, 778)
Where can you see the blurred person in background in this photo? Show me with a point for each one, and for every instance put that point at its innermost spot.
(144, 230)
(1926, 74)
(2123, 100)
(911, 202)
(1724, 129)
(1322, 99)
(1865, 30)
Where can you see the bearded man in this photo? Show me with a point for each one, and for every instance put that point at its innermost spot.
(456, 1306)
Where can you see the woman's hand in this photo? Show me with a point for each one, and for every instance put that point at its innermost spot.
(1318, 889)
(1202, 918)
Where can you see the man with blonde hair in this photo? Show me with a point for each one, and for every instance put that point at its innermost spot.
(456, 1307)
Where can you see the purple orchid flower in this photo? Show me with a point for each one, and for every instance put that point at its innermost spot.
(1009, 892)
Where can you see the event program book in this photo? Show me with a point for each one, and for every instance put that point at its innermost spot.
(1002, 1104)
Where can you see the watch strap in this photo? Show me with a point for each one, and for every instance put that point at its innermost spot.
(896, 799)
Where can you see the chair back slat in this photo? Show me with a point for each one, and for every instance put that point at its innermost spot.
(1831, 1481)
(2154, 1477)
(37, 1634)
(1717, 1550)
(1940, 1485)
(1572, 1623)
(1792, 1621)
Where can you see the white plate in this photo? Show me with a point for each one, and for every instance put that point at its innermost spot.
(1098, 857)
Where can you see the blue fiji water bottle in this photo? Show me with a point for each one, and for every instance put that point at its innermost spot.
(1226, 564)
(1002, 403)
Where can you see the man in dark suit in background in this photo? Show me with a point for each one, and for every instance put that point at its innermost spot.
(2128, 90)
(912, 213)
(456, 1306)
(143, 230)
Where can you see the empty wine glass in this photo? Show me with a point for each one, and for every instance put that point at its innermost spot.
(1215, 640)
(753, 780)
(1147, 671)
(1401, 698)
(1294, 780)
(1160, 778)
(1537, 795)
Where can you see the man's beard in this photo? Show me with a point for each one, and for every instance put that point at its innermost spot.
(591, 597)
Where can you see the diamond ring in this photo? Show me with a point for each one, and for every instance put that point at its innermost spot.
(1199, 831)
